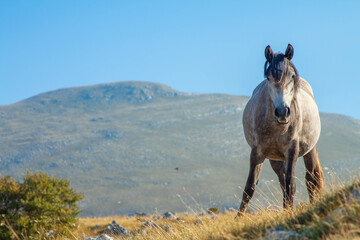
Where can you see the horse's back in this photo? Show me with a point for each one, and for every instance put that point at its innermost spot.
(305, 86)
(311, 125)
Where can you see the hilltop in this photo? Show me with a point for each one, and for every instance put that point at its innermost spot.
(135, 146)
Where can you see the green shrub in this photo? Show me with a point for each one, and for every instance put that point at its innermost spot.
(40, 204)
(213, 210)
(10, 197)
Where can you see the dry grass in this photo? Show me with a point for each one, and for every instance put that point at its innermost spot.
(335, 216)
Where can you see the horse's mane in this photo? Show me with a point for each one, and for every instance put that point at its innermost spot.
(278, 58)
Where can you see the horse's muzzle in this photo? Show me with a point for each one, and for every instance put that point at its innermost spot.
(282, 114)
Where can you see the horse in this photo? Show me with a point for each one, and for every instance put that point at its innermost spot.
(281, 122)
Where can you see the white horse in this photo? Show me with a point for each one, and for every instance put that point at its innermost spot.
(281, 122)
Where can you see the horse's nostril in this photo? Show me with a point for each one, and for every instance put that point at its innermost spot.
(282, 112)
(277, 112)
(287, 112)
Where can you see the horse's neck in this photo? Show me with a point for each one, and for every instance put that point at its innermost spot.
(270, 108)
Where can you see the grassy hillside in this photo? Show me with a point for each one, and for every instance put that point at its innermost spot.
(334, 216)
(140, 146)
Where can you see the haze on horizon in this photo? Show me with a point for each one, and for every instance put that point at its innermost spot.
(191, 46)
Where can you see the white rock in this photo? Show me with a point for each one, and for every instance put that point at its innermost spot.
(104, 237)
(101, 237)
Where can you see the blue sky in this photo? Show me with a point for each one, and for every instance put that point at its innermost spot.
(192, 46)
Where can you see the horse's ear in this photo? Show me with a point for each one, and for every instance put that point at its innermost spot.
(269, 53)
(289, 53)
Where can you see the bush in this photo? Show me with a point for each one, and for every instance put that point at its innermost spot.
(9, 204)
(213, 210)
(42, 204)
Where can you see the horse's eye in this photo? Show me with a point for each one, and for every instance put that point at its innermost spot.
(293, 76)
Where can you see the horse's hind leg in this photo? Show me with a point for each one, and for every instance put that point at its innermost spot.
(314, 175)
(279, 169)
(256, 162)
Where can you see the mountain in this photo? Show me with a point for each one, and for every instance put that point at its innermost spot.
(142, 146)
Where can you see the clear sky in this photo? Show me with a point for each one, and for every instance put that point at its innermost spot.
(192, 46)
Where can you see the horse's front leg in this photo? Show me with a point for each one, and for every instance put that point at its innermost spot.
(256, 162)
(291, 156)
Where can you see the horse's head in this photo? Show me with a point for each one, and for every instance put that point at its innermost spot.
(282, 78)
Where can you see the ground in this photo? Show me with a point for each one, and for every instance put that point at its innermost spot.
(334, 216)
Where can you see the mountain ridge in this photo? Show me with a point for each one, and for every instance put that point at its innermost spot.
(121, 142)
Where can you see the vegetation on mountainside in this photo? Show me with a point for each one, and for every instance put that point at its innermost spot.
(133, 146)
(40, 206)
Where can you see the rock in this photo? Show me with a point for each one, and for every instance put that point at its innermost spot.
(150, 224)
(167, 228)
(141, 231)
(281, 234)
(170, 215)
(101, 237)
(117, 229)
(104, 237)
